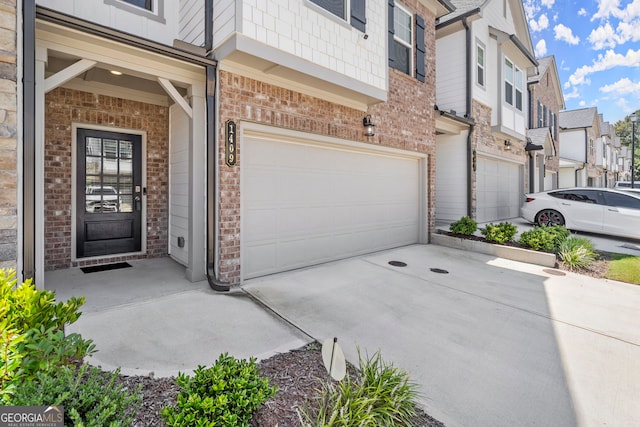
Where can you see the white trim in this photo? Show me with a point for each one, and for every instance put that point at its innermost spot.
(411, 44)
(500, 158)
(482, 46)
(63, 76)
(175, 95)
(345, 22)
(155, 14)
(74, 167)
(252, 129)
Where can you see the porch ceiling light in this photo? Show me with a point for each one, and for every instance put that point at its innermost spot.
(369, 127)
(116, 72)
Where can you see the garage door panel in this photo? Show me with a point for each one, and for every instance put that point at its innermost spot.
(306, 204)
(498, 190)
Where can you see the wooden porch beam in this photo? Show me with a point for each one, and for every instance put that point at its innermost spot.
(175, 95)
(63, 76)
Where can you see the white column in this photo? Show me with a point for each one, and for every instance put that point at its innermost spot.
(41, 60)
(196, 270)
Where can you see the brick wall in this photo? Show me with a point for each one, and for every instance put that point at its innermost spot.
(64, 107)
(8, 135)
(405, 121)
(544, 91)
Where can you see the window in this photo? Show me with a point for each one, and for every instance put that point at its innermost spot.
(340, 8)
(402, 40)
(544, 116)
(513, 84)
(519, 89)
(539, 114)
(585, 196)
(508, 81)
(145, 4)
(621, 201)
(480, 65)
(151, 9)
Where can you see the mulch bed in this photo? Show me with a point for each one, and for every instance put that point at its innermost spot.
(298, 374)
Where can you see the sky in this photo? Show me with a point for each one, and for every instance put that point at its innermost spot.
(596, 44)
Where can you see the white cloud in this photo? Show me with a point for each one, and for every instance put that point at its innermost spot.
(604, 36)
(623, 86)
(582, 12)
(582, 103)
(574, 94)
(541, 24)
(548, 3)
(605, 9)
(565, 34)
(541, 48)
(604, 62)
(530, 8)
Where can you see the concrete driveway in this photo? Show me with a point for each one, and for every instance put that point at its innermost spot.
(492, 343)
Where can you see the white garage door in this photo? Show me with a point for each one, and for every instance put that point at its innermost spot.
(498, 190)
(305, 204)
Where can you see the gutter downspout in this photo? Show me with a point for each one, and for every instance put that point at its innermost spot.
(468, 115)
(212, 157)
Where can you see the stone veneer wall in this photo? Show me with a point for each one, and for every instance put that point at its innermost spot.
(8, 135)
(405, 121)
(64, 107)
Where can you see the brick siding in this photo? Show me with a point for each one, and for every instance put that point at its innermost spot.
(8, 135)
(406, 121)
(544, 91)
(66, 106)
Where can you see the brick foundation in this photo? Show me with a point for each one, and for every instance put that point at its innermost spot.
(64, 107)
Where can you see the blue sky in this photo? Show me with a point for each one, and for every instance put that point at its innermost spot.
(597, 48)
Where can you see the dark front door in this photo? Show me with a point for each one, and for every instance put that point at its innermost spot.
(109, 193)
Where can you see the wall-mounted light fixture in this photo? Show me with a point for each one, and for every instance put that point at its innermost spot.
(369, 127)
(507, 145)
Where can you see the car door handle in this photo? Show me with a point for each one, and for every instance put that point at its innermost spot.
(613, 210)
(565, 204)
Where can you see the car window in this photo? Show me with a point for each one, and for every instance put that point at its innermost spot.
(586, 196)
(621, 200)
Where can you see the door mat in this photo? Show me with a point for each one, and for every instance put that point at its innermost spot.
(105, 267)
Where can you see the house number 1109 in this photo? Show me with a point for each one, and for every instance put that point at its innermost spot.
(230, 142)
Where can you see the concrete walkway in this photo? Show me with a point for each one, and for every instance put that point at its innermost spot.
(491, 343)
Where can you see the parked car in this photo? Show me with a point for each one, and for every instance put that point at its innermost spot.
(102, 199)
(594, 210)
(624, 184)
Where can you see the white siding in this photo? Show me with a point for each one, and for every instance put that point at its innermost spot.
(451, 177)
(192, 21)
(120, 19)
(178, 183)
(572, 145)
(450, 73)
(304, 30)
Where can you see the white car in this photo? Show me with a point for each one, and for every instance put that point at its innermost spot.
(102, 199)
(594, 210)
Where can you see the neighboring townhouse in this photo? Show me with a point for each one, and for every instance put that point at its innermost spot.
(545, 103)
(579, 134)
(240, 138)
(8, 134)
(484, 59)
(607, 151)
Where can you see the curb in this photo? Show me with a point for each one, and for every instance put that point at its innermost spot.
(509, 252)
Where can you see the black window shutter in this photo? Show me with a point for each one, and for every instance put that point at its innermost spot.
(391, 32)
(420, 49)
(359, 14)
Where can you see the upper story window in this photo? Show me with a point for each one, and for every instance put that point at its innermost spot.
(480, 64)
(145, 4)
(402, 40)
(406, 43)
(345, 9)
(513, 84)
(539, 114)
(152, 9)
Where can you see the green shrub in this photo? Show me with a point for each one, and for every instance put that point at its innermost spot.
(225, 394)
(500, 233)
(577, 252)
(544, 238)
(91, 398)
(381, 396)
(464, 225)
(32, 332)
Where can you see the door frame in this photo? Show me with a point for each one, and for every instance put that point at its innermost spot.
(74, 175)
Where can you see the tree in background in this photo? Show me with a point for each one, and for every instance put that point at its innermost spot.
(623, 130)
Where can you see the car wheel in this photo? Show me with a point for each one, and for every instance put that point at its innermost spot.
(549, 217)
